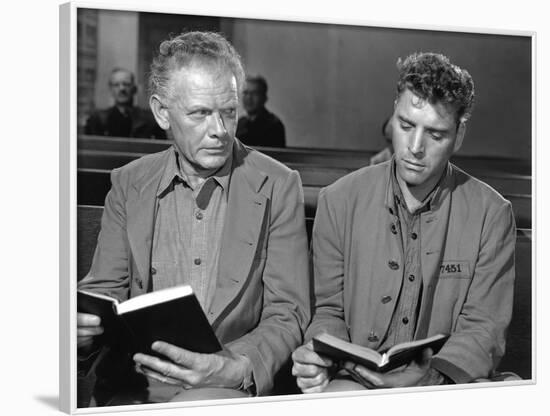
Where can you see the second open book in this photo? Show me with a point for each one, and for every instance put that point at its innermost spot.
(340, 350)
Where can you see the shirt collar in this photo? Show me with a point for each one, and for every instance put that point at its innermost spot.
(432, 200)
(172, 170)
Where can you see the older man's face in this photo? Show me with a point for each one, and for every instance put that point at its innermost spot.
(203, 116)
(122, 87)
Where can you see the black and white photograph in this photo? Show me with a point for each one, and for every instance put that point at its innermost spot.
(264, 205)
(269, 209)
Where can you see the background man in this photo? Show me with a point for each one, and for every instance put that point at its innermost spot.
(259, 127)
(387, 152)
(123, 119)
(414, 247)
(211, 213)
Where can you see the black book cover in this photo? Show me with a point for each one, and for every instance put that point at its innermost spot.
(179, 321)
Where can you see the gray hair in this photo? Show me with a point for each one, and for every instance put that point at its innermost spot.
(189, 47)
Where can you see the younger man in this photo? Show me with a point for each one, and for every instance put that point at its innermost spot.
(414, 247)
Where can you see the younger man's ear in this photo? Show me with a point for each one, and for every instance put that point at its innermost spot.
(461, 131)
(160, 112)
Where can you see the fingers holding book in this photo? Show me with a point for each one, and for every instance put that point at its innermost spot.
(190, 369)
(408, 375)
(312, 371)
(88, 326)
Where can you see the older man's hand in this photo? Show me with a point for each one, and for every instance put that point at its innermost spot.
(312, 371)
(191, 370)
(88, 326)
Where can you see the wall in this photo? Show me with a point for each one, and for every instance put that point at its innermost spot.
(117, 47)
(334, 85)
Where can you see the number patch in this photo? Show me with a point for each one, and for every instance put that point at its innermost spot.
(454, 269)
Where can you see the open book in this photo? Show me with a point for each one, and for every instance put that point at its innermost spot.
(394, 357)
(173, 315)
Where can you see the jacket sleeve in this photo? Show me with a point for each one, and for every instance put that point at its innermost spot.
(328, 272)
(476, 346)
(109, 272)
(286, 303)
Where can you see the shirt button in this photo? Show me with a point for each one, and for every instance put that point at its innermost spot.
(393, 229)
(197, 261)
(386, 299)
(153, 270)
(411, 277)
(139, 283)
(414, 236)
(372, 337)
(405, 320)
(198, 216)
(393, 265)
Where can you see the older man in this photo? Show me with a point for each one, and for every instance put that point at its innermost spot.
(211, 213)
(123, 118)
(413, 247)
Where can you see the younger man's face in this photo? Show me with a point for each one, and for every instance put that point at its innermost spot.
(424, 137)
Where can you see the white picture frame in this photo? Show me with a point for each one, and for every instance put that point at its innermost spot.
(68, 193)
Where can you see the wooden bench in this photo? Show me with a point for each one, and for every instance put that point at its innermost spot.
(93, 185)
(311, 174)
(519, 340)
(322, 157)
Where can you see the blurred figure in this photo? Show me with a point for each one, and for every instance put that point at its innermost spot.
(123, 119)
(386, 153)
(259, 127)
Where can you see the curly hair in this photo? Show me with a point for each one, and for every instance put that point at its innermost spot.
(192, 47)
(434, 78)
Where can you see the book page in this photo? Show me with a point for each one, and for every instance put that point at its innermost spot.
(412, 344)
(351, 349)
(99, 296)
(154, 298)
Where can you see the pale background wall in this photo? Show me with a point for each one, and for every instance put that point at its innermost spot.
(117, 47)
(333, 85)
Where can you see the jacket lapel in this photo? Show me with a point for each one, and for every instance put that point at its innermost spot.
(140, 207)
(246, 212)
(434, 235)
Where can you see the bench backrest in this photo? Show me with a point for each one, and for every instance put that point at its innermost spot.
(325, 157)
(93, 185)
